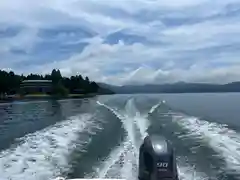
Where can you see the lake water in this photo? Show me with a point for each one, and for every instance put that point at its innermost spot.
(100, 137)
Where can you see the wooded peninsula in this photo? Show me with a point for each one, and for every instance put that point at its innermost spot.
(53, 84)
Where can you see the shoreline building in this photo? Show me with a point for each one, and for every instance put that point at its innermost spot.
(36, 86)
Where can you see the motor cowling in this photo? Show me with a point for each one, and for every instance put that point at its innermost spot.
(157, 159)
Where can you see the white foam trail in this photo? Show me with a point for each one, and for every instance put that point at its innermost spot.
(111, 160)
(127, 123)
(187, 172)
(43, 154)
(130, 152)
(111, 109)
(130, 108)
(140, 120)
(156, 106)
(142, 124)
(129, 161)
(223, 140)
(114, 162)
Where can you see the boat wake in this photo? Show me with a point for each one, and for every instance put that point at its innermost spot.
(46, 154)
(43, 154)
(220, 138)
(122, 162)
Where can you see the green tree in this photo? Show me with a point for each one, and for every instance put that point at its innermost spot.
(59, 90)
(56, 76)
(94, 87)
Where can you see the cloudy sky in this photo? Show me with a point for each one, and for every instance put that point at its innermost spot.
(123, 41)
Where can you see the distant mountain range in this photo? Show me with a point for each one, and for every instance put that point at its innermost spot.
(180, 87)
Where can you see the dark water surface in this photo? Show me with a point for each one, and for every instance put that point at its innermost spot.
(100, 137)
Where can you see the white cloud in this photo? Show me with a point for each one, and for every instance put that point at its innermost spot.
(193, 41)
(97, 58)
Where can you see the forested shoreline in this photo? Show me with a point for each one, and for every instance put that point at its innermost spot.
(10, 83)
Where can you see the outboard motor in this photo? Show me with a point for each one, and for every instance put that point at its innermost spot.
(157, 159)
